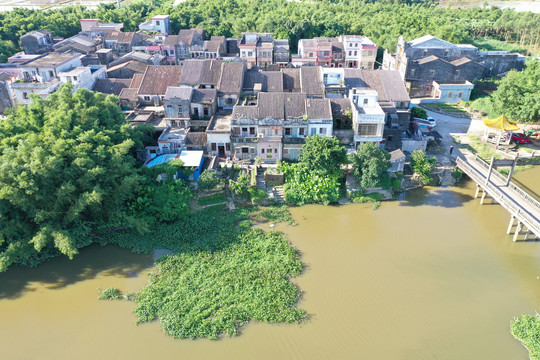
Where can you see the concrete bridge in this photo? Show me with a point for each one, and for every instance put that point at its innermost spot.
(522, 207)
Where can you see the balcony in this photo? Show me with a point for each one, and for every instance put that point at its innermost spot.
(244, 140)
(25, 84)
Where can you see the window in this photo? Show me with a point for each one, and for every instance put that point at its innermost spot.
(449, 94)
(367, 129)
(326, 53)
(302, 131)
(350, 44)
(51, 74)
(356, 45)
(229, 101)
(146, 98)
(355, 53)
(350, 52)
(412, 71)
(74, 78)
(213, 146)
(287, 131)
(431, 73)
(285, 151)
(425, 52)
(262, 151)
(366, 101)
(25, 95)
(269, 151)
(180, 109)
(457, 72)
(310, 54)
(322, 131)
(313, 131)
(460, 94)
(250, 53)
(228, 146)
(205, 111)
(251, 131)
(446, 52)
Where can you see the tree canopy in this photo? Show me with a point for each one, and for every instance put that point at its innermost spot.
(322, 154)
(383, 21)
(518, 94)
(65, 168)
(370, 165)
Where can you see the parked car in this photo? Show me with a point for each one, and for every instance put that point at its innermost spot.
(429, 122)
(520, 138)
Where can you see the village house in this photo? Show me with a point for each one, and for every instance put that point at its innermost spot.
(79, 43)
(349, 51)
(37, 42)
(230, 84)
(94, 28)
(155, 82)
(40, 76)
(428, 59)
(122, 42)
(160, 24)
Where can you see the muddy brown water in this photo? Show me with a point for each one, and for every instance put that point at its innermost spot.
(530, 181)
(430, 277)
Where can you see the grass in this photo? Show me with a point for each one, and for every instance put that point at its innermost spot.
(453, 109)
(277, 214)
(484, 151)
(359, 197)
(497, 45)
(527, 330)
(223, 275)
(212, 199)
(396, 182)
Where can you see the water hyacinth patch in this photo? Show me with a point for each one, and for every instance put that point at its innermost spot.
(208, 294)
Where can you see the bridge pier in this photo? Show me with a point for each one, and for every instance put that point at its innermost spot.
(477, 191)
(511, 225)
(518, 231)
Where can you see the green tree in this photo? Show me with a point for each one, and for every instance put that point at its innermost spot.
(323, 155)
(208, 180)
(422, 165)
(370, 165)
(65, 169)
(518, 94)
(419, 112)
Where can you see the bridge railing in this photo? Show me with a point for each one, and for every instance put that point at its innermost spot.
(511, 185)
(531, 222)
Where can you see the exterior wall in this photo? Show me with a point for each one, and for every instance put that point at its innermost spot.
(291, 151)
(215, 141)
(6, 97)
(320, 127)
(49, 73)
(151, 100)
(23, 90)
(269, 148)
(198, 109)
(176, 108)
(452, 93)
(227, 101)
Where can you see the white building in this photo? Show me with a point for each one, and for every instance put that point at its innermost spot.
(368, 116)
(160, 24)
(360, 51)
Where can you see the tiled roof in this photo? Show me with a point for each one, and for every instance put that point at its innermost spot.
(231, 78)
(178, 92)
(318, 109)
(171, 40)
(157, 79)
(188, 35)
(132, 65)
(310, 80)
(200, 96)
(198, 72)
(136, 81)
(460, 61)
(120, 36)
(129, 94)
(428, 59)
(396, 155)
(340, 105)
(111, 86)
(271, 81)
(291, 79)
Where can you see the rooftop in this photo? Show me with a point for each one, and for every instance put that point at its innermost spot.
(157, 79)
(52, 60)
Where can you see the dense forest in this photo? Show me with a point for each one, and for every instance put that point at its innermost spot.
(382, 21)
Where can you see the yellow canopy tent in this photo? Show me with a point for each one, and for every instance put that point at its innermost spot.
(499, 130)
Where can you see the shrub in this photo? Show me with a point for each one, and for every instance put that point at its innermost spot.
(208, 180)
(457, 174)
(110, 294)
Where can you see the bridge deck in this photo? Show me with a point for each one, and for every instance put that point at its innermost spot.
(520, 204)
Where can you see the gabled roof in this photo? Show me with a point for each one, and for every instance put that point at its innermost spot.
(396, 155)
(188, 35)
(196, 138)
(271, 81)
(340, 105)
(318, 109)
(133, 65)
(428, 41)
(230, 81)
(291, 79)
(120, 36)
(429, 59)
(171, 40)
(157, 79)
(197, 72)
(136, 81)
(111, 86)
(178, 92)
(200, 96)
(310, 80)
(501, 124)
(387, 83)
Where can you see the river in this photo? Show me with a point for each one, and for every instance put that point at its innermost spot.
(430, 277)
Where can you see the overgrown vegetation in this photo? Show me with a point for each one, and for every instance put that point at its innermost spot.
(223, 275)
(212, 199)
(316, 178)
(110, 294)
(370, 166)
(208, 180)
(527, 330)
(419, 112)
(422, 166)
(359, 197)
